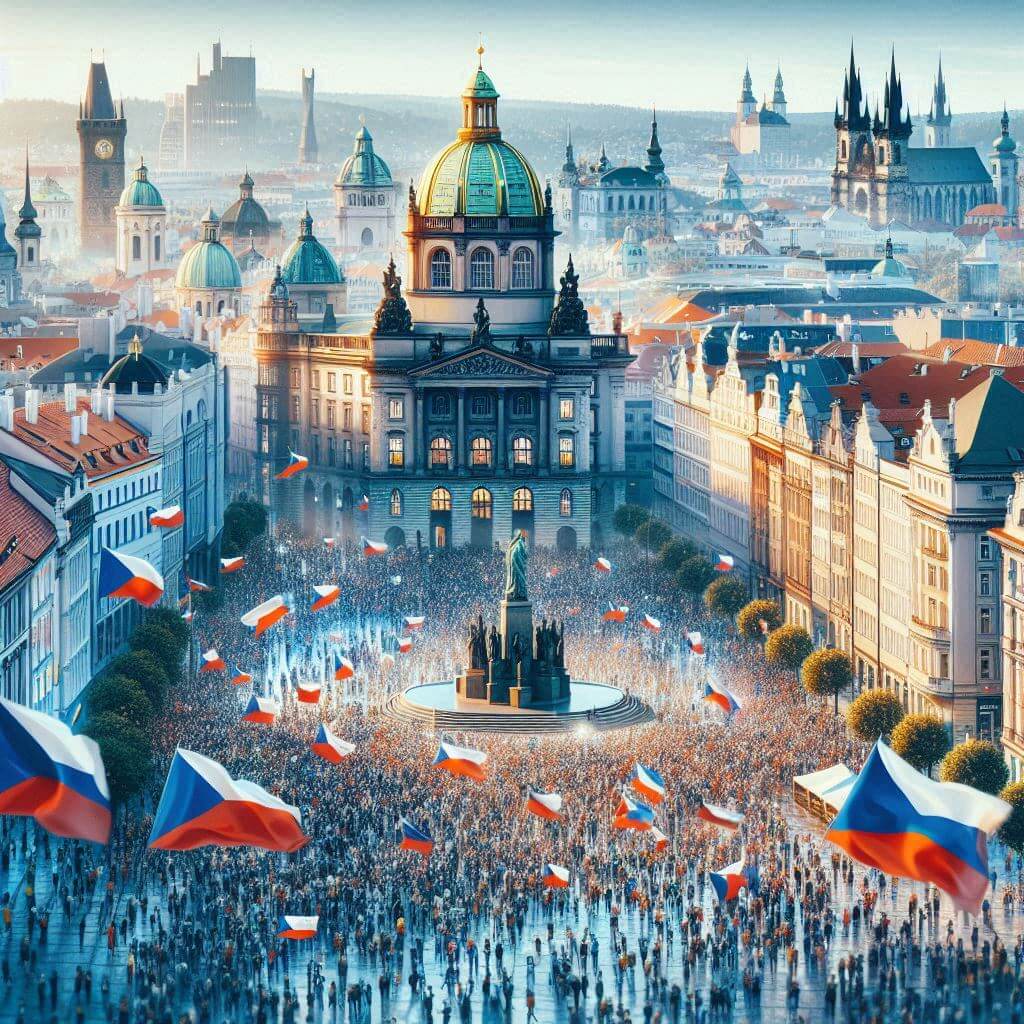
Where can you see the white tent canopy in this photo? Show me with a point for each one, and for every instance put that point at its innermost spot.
(823, 792)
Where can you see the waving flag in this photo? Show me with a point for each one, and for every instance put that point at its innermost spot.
(616, 613)
(651, 623)
(327, 595)
(728, 882)
(329, 543)
(632, 814)
(715, 693)
(725, 563)
(238, 677)
(461, 761)
(329, 747)
(404, 644)
(648, 783)
(555, 876)
(197, 587)
(364, 503)
(720, 816)
(897, 820)
(416, 839)
(167, 518)
(289, 926)
(202, 805)
(212, 661)
(411, 623)
(129, 577)
(373, 547)
(296, 464)
(545, 805)
(603, 565)
(49, 774)
(228, 565)
(264, 615)
(308, 693)
(343, 668)
(261, 710)
(187, 616)
(660, 839)
(695, 642)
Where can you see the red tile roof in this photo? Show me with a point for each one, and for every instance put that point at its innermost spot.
(25, 533)
(92, 298)
(987, 210)
(36, 351)
(976, 353)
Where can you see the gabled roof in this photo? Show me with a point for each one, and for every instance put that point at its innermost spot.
(480, 360)
(959, 165)
(989, 426)
(25, 533)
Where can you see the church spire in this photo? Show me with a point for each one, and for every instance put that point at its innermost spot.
(747, 89)
(570, 159)
(655, 165)
(28, 210)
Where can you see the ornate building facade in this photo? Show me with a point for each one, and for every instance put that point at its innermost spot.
(762, 131)
(365, 200)
(141, 226)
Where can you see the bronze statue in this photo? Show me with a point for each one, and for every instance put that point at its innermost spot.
(482, 319)
(495, 644)
(515, 568)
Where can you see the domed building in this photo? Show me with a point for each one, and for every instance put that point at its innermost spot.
(141, 220)
(1005, 165)
(364, 196)
(889, 270)
(208, 279)
(135, 372)
(311, 274)
(245, 223)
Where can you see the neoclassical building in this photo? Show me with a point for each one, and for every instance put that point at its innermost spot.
(479, 402)
(141, 219)
(365, 200)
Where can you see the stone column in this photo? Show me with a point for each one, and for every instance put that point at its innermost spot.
(419, 438)
(460, 437)
(500, 454)
(543, 432)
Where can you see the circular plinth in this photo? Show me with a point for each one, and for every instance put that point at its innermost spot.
(590, 705)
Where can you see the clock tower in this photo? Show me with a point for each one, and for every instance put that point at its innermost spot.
(101, 132)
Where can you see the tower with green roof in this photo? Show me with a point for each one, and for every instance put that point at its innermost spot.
(141, 219)
(365, 200)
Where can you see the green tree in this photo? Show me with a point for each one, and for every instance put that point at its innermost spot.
(787, 647)
(120, 695)
(674, 552)
(975, 763)
(694, 575)
(874, 715)
(244, 521)
(162, 645)
(171, 621)
(127, 754)
(1012, 830)
(725, 596)
(826, 673)
(629, 518)
(653, 535)
(752, 614)
(147, 670)
(921, 740)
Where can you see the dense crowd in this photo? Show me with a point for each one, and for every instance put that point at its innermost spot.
(471, 932)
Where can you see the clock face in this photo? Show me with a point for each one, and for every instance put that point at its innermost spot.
(104, 149)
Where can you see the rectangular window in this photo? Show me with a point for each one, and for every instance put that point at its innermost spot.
(365, 419)
(985, 620)
(985, 584)
(315, 377)
(566, 453)
(347, 450)
(366, 455)
(296, 406)
(985, 664)
(332, 451)
(396, 408)
(985, 549)
(314, 412)
(346, 417)
(566, 409)
(346, 381)
(296, 377)
(396, 451)
(332, 382)
(330, 415)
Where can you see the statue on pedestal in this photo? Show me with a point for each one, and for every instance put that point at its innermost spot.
(515, 568)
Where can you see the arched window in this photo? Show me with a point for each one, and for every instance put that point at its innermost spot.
(441, 405)
(366, 238)
(481, 451)
(481, 269)
(522, 451)
(396, 502)
(566, 452)
(522, 500)
(522, 404)
(632, 203)
(440, 269)
(482, 503)
(842, 149)
(441, 500)
(136, 247)
(565, 503)
(440, 452)
(640, 203)
(522, 268)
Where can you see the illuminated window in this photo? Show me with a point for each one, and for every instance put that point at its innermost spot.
(522, 451)
(481, 451)
(441, 452)
(566, 408)
(441, 500)
(565, 503)
(396, 502)
(396, 451)
(522, 500)
(482, 503)
(396, 408)
(566, 453)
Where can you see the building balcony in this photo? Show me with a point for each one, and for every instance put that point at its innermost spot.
(928, 631)
(938, 686)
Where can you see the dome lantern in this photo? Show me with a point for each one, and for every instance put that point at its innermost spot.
(480, 104)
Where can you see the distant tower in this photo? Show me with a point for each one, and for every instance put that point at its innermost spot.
(101, 132)
(892, 131)
(1004, 162)
(747, 104)
(851, 184)
(141, 222)
(570, 174)
(655, 165)
(940, 117)
(779, 96)
(308, 153)
(28, 237)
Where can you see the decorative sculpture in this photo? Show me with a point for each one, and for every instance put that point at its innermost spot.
(515, 568)
(569, 317)
(482, 331)
(392, 316)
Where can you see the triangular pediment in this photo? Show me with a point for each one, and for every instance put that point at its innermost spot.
(482, 361)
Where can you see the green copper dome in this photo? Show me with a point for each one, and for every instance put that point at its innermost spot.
(480, 179)
(209, 263)
(140, 191)
(364, 167)
(307, 260)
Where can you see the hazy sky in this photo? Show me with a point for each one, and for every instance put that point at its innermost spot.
(679, 53)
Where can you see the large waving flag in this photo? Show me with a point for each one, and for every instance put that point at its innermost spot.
(265, 615)
(202, 805)
(238, 677)
(343, 668)
(416, 839)
(129, 577)
(897, 820)
(728, 882)
(725, 563)
(308, 693)
(649, 622)
(373, 547)
(327, 594)
(720, 816)
(167, 518)
(461, 761)
(616, 613)
(296, 464)
(648, 783)
(48, 773)
(261, 710)
(330, 747)
(555, 876)
(603, 565)
(632, 814)
(197, 586)
(212, 661)
(292, 926)
(545, 805)
(715, 693)
(228, 565)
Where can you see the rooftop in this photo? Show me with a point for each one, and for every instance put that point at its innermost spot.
(25, 533)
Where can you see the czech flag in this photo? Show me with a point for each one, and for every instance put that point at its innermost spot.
(461, 761)
(296, 464)
(660, 839)
(364, 503)
(263, 616)
(632, 814)
(717, 694)
(238, 677)
(330, 748)
(415, 838)
(411, 623)
(651, 623)
(261, 710)
(329, 543)
(616, 613)
(212, 661)
(728, 882)
(129, 577)
(695, 642)
(897, 820)
(603, 565)
(187, 616)
(308, 693)
(720, 816)
(555, 876)
(197, 587)
(374, 547)
(343, 668)
(725, 563)
(202, 805)
(648, 783)
(228, 565)
(545, 805)
(327, 595)
(404, 644)
(291, 927)
(52, 775)
(167, 518)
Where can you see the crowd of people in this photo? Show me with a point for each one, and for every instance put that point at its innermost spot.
(472, 932)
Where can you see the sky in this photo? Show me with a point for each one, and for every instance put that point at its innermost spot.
(678, 54)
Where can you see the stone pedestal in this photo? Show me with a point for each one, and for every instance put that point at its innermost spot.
(520, 696)
(517, 618)
(472, 685)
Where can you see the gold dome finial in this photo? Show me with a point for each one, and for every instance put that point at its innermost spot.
(480, 53)
(135, 346)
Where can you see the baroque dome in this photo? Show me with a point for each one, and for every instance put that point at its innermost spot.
(209, 263)
(140, 191)
(363, 166)
(307, 260)
(245, 216)
(135, 369)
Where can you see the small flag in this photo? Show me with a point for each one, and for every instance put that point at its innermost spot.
(695, 642)
(197, 587)
(648, 783)
(228, 565)
(725, 563)
(404, 644)
(729, 881)
(187, 616)
(167, 518)
(552, 572)
(374, 547)
(720, 816)
(129, 577)
(545, 805)
(364, 503)
(461, 761)
(716, 693)
(238, 677)
(603, 565)
(411, 623)
(632, 814)
(296, 464)
(330, 747)
(343, 668)
(555, 876)
(416, 839)
(616, 613)
(308, 693)
(291, 927)
(212, 661)
(395, 581)
(261, 710)
(265, 615)
(327, 594)
(651, 623)
(329, 543)
(660, 839)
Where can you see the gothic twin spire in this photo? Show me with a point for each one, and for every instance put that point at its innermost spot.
(889, 118)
